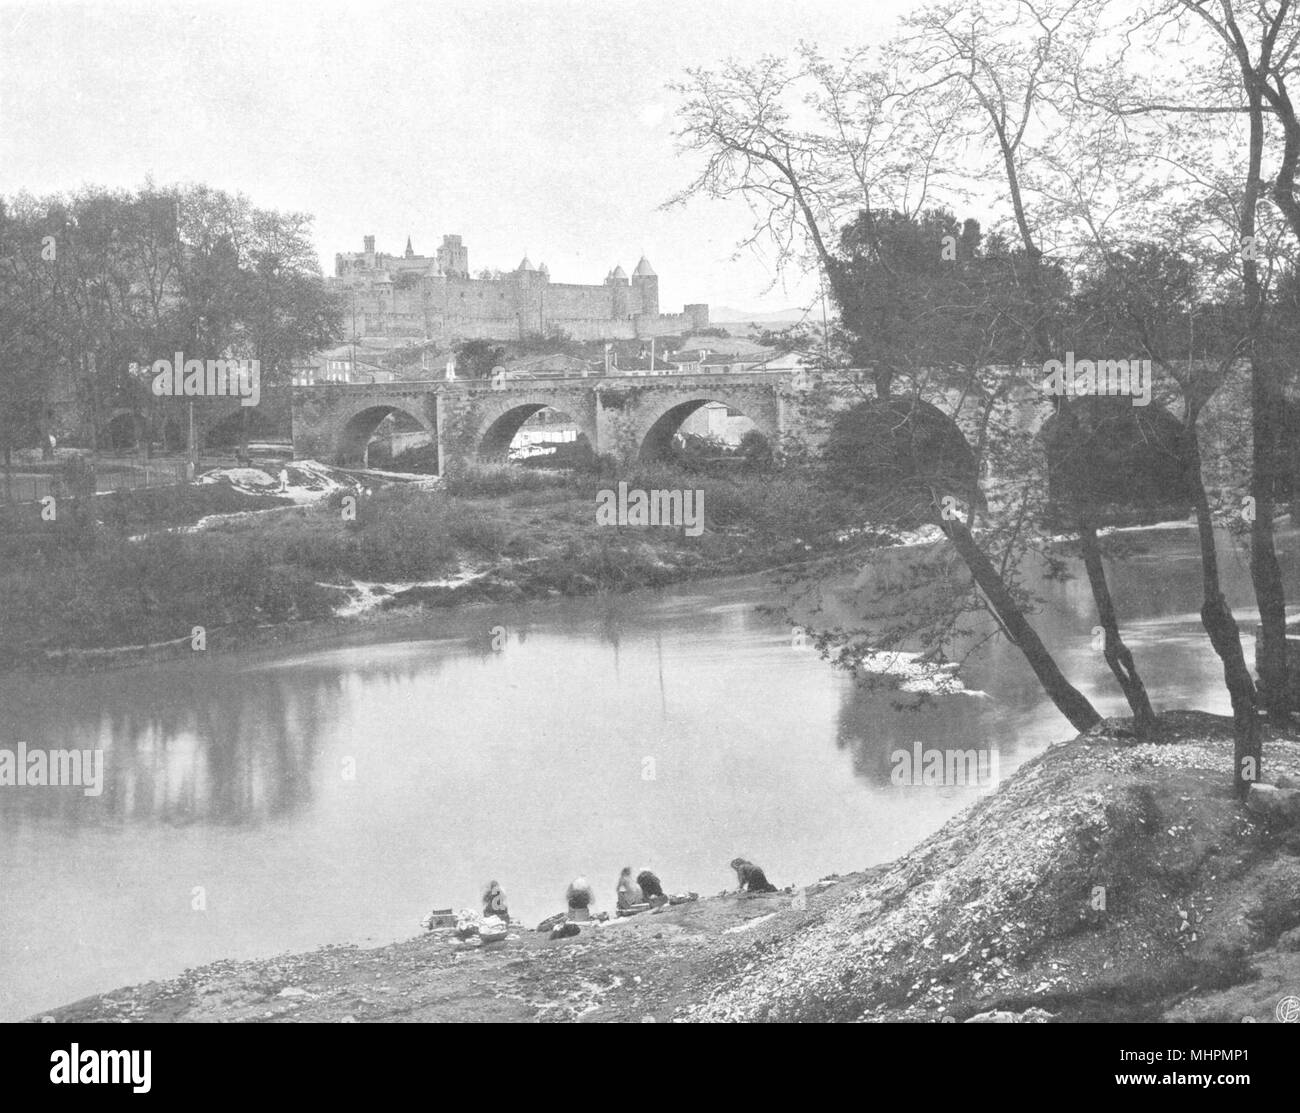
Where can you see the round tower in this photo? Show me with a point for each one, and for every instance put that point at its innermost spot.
(619, 291)
(645, 288)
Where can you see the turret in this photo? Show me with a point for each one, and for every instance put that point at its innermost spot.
(618, 293)
(645, 287)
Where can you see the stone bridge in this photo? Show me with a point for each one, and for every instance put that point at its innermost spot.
(630, 417)
(126, 427)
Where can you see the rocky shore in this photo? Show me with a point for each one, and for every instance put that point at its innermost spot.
(1106, 880)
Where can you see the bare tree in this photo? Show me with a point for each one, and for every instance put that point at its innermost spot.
(1004, 70)
(1227, 94)
(804, 166)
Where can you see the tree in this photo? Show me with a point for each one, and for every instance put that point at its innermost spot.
(1225, 126)
(476, 358)
(286, 310)
(756, 451)
(1152, 299)
(801, 182)
(1006, 69)
(27, 333)
(1262, 79)
(139, 276)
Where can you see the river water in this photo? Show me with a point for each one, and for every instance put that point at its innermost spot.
(281, 800)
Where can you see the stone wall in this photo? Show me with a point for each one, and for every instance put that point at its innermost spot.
(511, 308)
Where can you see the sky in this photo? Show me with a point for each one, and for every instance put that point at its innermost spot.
(523, 126)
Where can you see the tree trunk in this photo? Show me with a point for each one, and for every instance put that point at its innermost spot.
(1265, 417)
(87, 382)
(1265, 573)
(1072, 703)
(1221, 626)
(1043, 345)
(1118, 656)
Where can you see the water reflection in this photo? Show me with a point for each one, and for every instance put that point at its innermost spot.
(222, 746)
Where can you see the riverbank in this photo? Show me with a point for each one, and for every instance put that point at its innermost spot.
(1103, 881)
(335, 546)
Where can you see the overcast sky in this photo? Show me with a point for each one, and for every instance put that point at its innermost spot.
(523, 126)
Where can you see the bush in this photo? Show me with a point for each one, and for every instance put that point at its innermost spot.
(423, 458)
(479, 533)
(493, 480)
(756, 451)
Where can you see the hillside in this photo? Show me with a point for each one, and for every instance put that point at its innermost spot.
(725, 314)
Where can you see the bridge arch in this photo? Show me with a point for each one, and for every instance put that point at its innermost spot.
(502, 424)
(1116, 457)
(218, 426)
(655, 437)
(357, 428)
(897, 455)
(125, 429)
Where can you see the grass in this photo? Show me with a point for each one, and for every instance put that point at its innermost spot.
(63, 585)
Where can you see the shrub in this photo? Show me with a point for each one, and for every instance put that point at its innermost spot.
(493, 480)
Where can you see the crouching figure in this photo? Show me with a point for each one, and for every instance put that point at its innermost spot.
(750, 877)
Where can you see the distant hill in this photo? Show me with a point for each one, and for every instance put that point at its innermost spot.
(725, 314)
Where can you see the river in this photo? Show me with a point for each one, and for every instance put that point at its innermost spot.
(284, 799)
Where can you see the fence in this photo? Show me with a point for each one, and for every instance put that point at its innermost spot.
(113, 477)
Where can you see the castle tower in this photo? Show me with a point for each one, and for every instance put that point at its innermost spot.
(698, 314)
(645, 284)
(528, 303)
(619, 289)
(453, 257)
